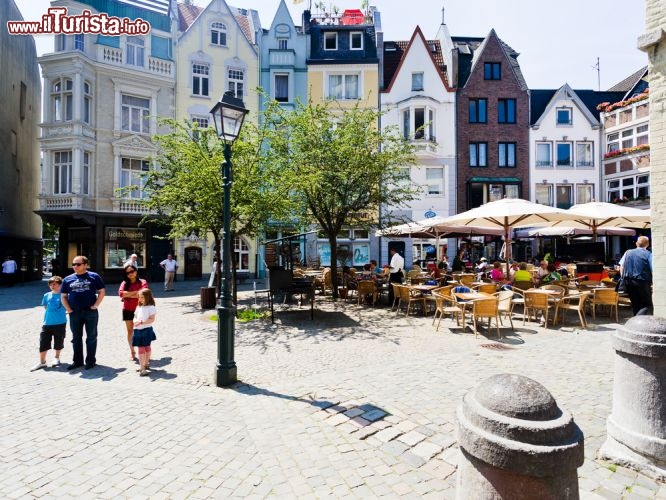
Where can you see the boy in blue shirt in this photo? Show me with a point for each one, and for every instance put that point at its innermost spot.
(55, 322)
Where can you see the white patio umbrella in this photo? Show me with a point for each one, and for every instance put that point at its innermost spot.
(435, 228)
(507, 214)
(572, 231)
(597, 215)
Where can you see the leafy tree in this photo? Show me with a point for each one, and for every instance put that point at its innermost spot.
(185, 192)
(339, 166)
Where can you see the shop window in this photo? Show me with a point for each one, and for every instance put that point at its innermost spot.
(120, 243)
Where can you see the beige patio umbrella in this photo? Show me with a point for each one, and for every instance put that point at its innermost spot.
(507, 214)
(598, 215)
(435, 228)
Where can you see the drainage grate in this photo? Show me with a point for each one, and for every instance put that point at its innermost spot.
(496, 347)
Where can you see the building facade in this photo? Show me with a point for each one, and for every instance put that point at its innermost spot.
(102, 98)
(492, 122)
(417, 99)
(216, 51)
(20, 227)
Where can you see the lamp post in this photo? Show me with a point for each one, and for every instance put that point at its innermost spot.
(228, 116)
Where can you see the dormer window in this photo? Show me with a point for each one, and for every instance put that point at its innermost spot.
(356, 40)
(330, 41)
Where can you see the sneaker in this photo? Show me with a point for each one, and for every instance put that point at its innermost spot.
(55, 363)
(143, 373)
(38, 366)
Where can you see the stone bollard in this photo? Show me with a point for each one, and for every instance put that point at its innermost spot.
(515, 442)
(637, 424)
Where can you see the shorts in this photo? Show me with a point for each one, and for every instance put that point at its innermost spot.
(55, 331)
(128, 315)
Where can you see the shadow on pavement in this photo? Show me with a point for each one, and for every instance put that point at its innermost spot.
(101, 372)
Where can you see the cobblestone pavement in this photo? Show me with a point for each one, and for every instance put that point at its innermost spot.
(359, 402)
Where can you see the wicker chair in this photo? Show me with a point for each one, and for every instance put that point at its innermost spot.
(409, 297)
(396, 295)
(575, 303)
(523, 285)
(605, 297)
(486, 308)
(445, 304)
(366, 288)
(505, 304)
(486, 288)
(536, 301)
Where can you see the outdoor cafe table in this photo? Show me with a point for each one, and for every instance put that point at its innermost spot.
(424, 288)
(469, 298)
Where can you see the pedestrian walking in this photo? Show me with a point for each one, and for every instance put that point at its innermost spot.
(54, 326)
(81, 294)
(143, 335)
(128, 293)
(9, 269)
(636, 272)
(170, 266)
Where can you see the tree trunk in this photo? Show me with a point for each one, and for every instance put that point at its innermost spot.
(332, 241)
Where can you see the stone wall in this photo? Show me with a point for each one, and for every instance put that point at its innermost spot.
(654, 43)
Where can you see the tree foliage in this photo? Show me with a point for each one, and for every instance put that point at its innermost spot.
(185, 191)
(339, 166)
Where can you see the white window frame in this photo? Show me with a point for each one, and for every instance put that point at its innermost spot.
(584, 154)
(345, 80)
(282, 43)
(328, 36)
(132, 174)
(540, 162)
(79, 42)
(628, 187)
(85, 173)
(62, 172)
(563, 188)
(584, 193)
(612, 142)
(132, 113)
(236, 81)
(569, 113)
(87, 103)
(356, 40)
(557, 154)
(410, 124)
(417, 81)
(538, 196)
(135, 51)
(200, 79)
(62, 99)
(218, 34)
(241, 248)
(434, 181)
(60, 43)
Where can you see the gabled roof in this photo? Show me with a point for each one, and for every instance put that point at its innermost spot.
(470, 49)
(247, 19)
(564, 92)
(629, 82)
(395, 53)
(587, 101)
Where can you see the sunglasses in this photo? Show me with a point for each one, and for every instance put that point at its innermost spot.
(77, 264)
(130, 272)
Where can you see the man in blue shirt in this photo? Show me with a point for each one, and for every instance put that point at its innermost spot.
(81, 294)
(636, 272)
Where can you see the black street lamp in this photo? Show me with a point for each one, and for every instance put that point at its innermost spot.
(228, 116)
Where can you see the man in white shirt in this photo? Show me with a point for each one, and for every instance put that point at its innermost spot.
(169, 265)
(132, 261)
(396, 266)
(9, 268)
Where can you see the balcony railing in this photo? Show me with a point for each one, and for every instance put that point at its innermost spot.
(282, 57)
(130, 206)
(544, 163)
(60, 202)
(585, 163)
(114, 56)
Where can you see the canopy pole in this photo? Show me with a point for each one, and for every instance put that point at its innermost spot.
(507, 241)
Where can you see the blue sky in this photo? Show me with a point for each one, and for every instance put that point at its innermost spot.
(558, 42)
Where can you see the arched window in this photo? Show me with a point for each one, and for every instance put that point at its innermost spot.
(61, 100)
(241, 254)
(218, 34)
